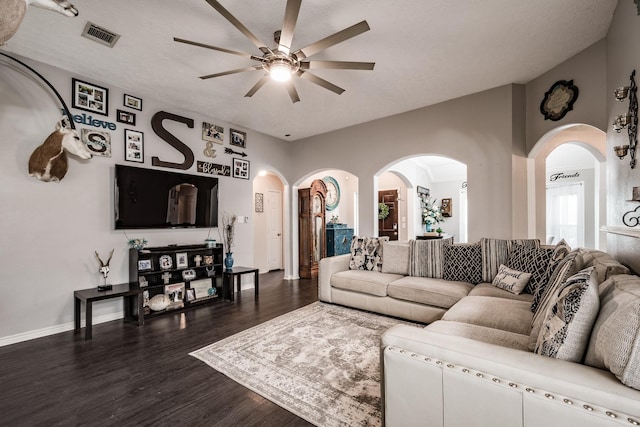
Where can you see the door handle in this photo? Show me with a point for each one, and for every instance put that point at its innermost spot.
(279, 234)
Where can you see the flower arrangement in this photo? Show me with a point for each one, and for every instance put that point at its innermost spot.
(137, 244)
(431, 213)
(383, 210)
(228, 229)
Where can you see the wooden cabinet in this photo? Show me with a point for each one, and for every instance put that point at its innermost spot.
(181, 276)
(338, 239)
(311, 228)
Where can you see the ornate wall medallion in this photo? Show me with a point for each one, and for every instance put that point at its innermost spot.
(559, 100)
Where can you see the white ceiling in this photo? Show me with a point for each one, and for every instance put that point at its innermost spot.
(426, 51)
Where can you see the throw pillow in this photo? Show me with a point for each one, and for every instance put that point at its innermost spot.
(396, 258)
(463, 262)
(567, 326)
(511, 280)
(561, 250)
(531, 260)
(496, 252)
(366, 253)
(426, 257)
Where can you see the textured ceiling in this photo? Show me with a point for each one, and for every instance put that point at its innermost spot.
(426, 51)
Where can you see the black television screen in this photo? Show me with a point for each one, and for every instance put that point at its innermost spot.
(151, 198)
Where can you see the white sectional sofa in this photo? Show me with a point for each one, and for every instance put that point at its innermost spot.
(484, 357)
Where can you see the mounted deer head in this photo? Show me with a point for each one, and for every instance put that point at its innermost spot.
(104, 266)
(48, 162)
(12, 13)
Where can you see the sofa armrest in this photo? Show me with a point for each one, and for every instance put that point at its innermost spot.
(327, 267)
(460, 381)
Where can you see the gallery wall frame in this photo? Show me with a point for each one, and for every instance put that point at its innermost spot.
(240, 168)
(90, 97)
(132, 102)
(133, 146)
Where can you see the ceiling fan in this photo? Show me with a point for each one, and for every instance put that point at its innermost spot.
(280, 63)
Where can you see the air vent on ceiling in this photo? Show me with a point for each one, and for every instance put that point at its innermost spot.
(100, 35)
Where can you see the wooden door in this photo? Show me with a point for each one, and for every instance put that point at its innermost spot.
(389, 225)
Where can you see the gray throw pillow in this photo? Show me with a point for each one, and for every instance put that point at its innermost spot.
(396, 258)
(568, 322)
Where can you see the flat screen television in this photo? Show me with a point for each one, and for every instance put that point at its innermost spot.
(152, 198)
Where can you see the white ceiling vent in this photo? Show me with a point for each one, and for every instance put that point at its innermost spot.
(100, 35)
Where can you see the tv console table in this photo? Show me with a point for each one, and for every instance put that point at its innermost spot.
(91, 295)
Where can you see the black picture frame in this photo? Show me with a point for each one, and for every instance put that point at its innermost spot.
(131, 101)
(238, 138)
(90, 97)
(126, 117)
(240, 168)
(133, 146)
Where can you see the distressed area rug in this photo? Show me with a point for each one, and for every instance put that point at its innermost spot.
(321, 362)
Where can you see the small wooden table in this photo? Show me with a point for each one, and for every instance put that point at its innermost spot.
(237, 272)
(91, 295)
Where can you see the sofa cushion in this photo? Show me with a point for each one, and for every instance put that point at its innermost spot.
(511, 280)
(426, 257)
(531, 260)
(496, 252)
(615, 339)
(366, 282)
(488, 290)
(606, 266)
(481, 333)
(463, 262)
(567, 326)
(366, 253)
(498, 313)
(425, 290)
(395, 259)
(561, 250)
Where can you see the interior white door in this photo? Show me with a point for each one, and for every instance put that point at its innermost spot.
(274, 221)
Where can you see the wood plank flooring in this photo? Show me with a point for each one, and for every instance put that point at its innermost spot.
(143, 376)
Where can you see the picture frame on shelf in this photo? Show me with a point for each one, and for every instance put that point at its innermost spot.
(90, 97)
(208, 260)
(181, 260)
(131, 101)
(213, 133)
(191, 294)
(98, 142)
(240, 168)
(133, 146)
(126, 117)
(166, 262)
(144, 264)
(238, 138)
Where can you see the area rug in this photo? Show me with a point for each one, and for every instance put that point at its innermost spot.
(321, 362)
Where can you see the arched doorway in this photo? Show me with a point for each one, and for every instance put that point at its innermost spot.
(572, 157)
(442, 178)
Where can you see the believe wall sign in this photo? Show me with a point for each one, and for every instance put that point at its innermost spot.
(90, 121)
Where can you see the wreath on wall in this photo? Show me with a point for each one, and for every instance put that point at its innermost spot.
(383, 211)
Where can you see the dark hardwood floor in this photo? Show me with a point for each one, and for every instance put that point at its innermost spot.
(143, 376)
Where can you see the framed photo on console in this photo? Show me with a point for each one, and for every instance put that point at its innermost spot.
(181, 260)
(144, 264)
(90, 97)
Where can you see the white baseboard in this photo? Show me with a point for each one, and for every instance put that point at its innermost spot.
(51, 330)
(291, 277)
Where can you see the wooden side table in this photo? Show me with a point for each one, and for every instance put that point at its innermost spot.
(237, 272)
(90, 295)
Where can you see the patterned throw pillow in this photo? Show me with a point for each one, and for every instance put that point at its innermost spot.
(531, 260)
(511, 280)
(463, 262)
(567, 326)
(496, 252)
(366, 253)
(561, 250)
(426, 257)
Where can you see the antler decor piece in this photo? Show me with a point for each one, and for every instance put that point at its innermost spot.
(104, 270)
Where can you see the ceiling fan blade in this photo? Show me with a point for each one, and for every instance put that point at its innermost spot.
(238, 70)
(293, 93)
(289, 25)
(337, 65)
(334, 39)
(320, 82)
(256, 87)
(221, 49)
(244, 30)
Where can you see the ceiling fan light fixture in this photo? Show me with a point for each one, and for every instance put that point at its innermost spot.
(280, 70)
